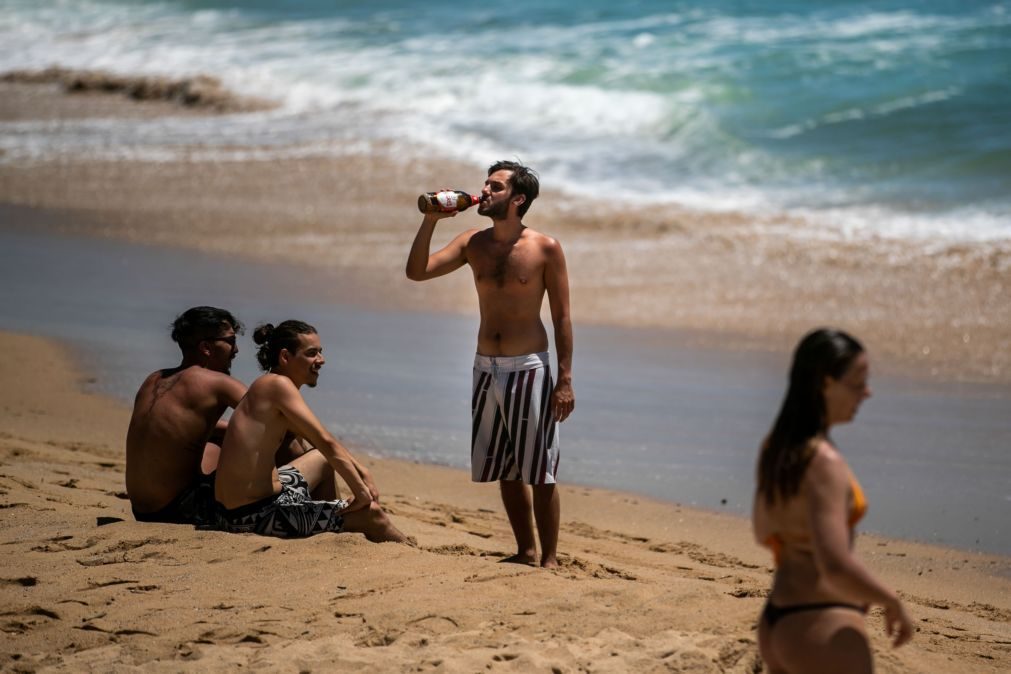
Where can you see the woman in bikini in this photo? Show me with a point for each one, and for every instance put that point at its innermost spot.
(806, 505)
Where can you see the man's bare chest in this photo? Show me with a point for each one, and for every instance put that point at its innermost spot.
(516, 267)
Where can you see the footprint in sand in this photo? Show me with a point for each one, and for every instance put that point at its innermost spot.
(435, 624)
(703, 555)
(574, 567)
(460, 550)
(20, 622)
(119, 553)
(65, 543)
(377, 639)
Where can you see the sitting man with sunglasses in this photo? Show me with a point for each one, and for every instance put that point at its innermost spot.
(176, 430)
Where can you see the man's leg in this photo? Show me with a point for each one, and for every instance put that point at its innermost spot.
(375, 524)
(318, 474)
(547, 510)
(371, 521)
(516, 500)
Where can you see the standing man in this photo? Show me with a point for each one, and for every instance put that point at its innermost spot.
(515, 405)
(175, 431)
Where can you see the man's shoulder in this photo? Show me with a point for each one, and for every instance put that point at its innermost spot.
(198, 381)
(271, 384)
(539, 237)
(477, 235)
(202, 375)
(547, 244)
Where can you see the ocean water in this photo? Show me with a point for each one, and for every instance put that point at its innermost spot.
(867, 119)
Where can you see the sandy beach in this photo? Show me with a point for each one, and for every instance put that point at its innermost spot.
(934, 310)
(643, 586)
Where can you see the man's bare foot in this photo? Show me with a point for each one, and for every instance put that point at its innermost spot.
(551, 563)
(529, 560)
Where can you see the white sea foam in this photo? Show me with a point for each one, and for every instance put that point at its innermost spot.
(627, 107)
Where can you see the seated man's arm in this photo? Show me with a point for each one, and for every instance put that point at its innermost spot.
(304, 423)
(366, 476)
(229, 390)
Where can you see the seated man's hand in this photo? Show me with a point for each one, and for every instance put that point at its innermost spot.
(361, 501)
(367, 479)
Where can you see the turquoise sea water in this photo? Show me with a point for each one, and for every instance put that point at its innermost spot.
(870, 118)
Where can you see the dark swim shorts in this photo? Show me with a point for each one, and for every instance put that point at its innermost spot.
(193, 505)
(290, 514)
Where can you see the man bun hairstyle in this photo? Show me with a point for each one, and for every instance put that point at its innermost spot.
(272, 339)
(524, 180)
(200, 323)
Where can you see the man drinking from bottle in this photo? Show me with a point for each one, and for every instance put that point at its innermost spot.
(515, 405)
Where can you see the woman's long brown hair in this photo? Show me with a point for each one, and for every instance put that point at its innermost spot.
(788, 449)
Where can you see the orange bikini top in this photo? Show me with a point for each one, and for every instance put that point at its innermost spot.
(857, 511)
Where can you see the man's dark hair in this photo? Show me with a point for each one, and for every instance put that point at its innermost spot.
(199, 323)
(523, 181)
(272, 339)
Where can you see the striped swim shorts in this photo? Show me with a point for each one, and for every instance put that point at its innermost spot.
(514, 435)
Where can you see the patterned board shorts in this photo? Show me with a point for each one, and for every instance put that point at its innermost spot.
(514, 435)
(290, 514)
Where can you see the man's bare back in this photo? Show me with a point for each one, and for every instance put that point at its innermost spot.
(175, 413)
(176, 419)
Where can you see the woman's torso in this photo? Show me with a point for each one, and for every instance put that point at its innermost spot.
(797, 578)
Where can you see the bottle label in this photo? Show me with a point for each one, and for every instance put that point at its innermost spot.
(447, 200)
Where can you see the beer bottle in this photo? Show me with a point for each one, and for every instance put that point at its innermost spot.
(446, 201)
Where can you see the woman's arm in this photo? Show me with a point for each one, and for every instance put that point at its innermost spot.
(827, 483)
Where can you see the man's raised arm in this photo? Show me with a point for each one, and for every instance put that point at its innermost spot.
(421, 266)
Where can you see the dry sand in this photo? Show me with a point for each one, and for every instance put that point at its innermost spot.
(931, 310)
(643, 586)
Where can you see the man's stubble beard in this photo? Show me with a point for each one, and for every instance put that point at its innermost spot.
(497, 211)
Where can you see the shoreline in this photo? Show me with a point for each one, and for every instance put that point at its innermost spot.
(644, 584)
(930, 314)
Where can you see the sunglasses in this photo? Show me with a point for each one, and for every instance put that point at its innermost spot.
(230, 340)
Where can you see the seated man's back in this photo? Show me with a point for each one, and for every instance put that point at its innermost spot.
(174, 415)
(176, 421)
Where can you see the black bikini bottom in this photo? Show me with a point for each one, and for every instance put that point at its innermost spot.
(772, 613)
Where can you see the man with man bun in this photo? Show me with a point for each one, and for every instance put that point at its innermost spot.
(253, 496)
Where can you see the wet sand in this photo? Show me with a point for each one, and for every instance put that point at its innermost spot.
(681, 424)
(643, 586)
(933, 310)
